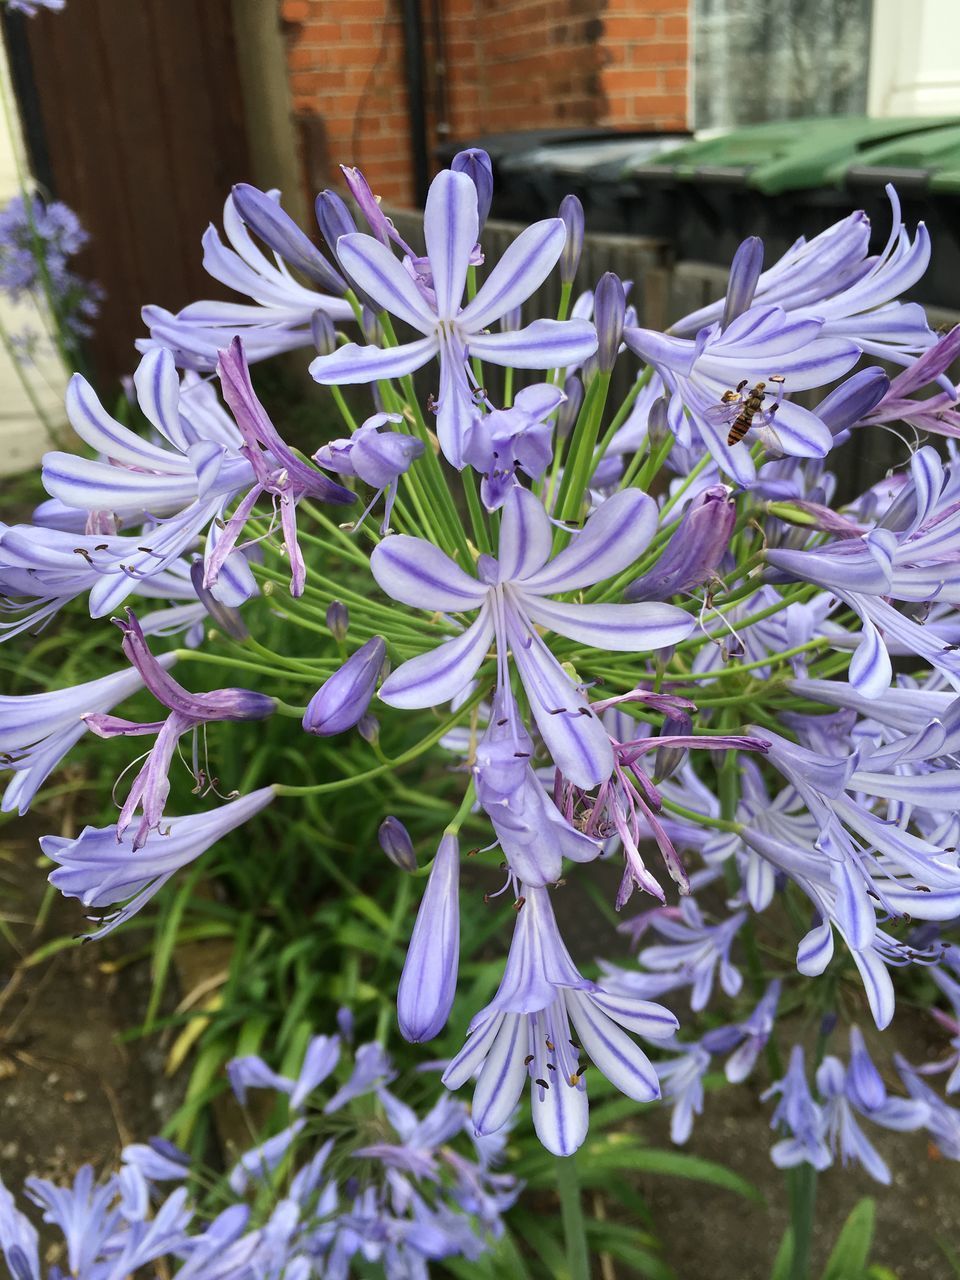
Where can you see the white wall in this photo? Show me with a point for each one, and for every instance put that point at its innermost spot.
(23, 437)
(915, 58)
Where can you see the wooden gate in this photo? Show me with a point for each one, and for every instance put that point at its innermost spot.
(135, 118)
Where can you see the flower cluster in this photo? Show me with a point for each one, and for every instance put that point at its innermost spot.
(357, 1175)
(651, 632)
(37, 241)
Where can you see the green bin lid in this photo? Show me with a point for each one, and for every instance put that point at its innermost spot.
(792, 155)
(929, 157)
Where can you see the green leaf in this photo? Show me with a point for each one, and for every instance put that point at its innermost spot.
(784, 1259)
(851, 1253)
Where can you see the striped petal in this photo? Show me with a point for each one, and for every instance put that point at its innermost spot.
(519, 273)
(502, 1078)
(451, 226)
(561, 1116)
(380, 275)
(354, 363)
(438, 676)
(526, 536)
(544, 344)
(628, 628)
(611, 1050)
(612, 539)
(417, 573)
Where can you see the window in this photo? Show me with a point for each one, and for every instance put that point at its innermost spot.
(757, 60)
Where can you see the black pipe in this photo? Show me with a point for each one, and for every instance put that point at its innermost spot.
(14, 26)
(413, 65)
(440, 99)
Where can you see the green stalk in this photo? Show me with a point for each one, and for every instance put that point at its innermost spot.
(802, 1187)
(583, 442)
(571, 1212)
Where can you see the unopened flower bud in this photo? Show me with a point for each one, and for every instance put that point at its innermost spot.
(569, 410)
(609, 306)
(476, 164)
(323, 333)
(571, 212)
(744, 273)
(340, 702)
(345, 1023)
(372, 330)
(333, 218)
(338, 619)
(428, 983)
(227, 619)
(265, 218)
(669, 758)
(847, 404)
(368, 727)
(693, 553)
(396, 844)
(658, 426)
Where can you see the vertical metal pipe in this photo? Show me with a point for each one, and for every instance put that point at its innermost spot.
(413, 65)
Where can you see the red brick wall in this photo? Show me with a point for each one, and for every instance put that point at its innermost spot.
(509, 65)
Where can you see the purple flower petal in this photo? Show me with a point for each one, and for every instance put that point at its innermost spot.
(380, 275)
(544, 344)
(614, 536)
(438, 676)
(629, 628)
(417, 573)
(526, 535)
(354, 363)
(451, 226)
(519, 273)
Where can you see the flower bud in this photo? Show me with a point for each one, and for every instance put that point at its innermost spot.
(571, 213)
(669, 758)
(333, 218)
(396, 844)
(609, 306)
(372, 330)
(368, 727)
(569, 410)
(695, 550)
(338, 619)
(476, 164)
(428, 983)
(844, 407)
(323, 333)
(367, 202)
(340, 702)
(278, 231)
(744, 273)
(226, 618)
(658, 424)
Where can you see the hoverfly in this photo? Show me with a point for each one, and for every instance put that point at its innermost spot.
(740, 410)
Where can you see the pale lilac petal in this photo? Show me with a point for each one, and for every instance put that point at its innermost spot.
(612, 539)
(419, 574)
(611, 1050)
(158, 394)
(526, 535)
(575, 737)
(519, 273)
(354, 363)
(471, 1057)
(870, 667)
(438, 676)
(544, 344)
(629, 628)
(502, 1078)
(799, 432)
(101, 432)
(381, 276)
(561, 1117)
(877, 984)
(451, 226)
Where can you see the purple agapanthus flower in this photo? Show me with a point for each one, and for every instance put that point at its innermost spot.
(800, 1117)
(278, 316)
(188, 711)
(681, 1078)
(102, 870)
(319, 1062)
(277, 469)
(526, 1032)
(760, 345)
(858, 1090)
(38, 729)
(505, 441)
(428, 983)
(377, 457)
(832, 278)
(451, 227)
(512, 596)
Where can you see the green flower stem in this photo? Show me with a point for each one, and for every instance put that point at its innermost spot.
(620, 417)
(685, 484)
(25, 382)
(466, 804)
(645, 466)
(583, 442)
(566, 293)
(701, 819)
(348, 418)
(802, 1187)
(574, 1224)
(287, 709)
(219, 659)
(478, 522)
(405, 757)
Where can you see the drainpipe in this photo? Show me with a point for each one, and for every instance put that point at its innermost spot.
(413, 66)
